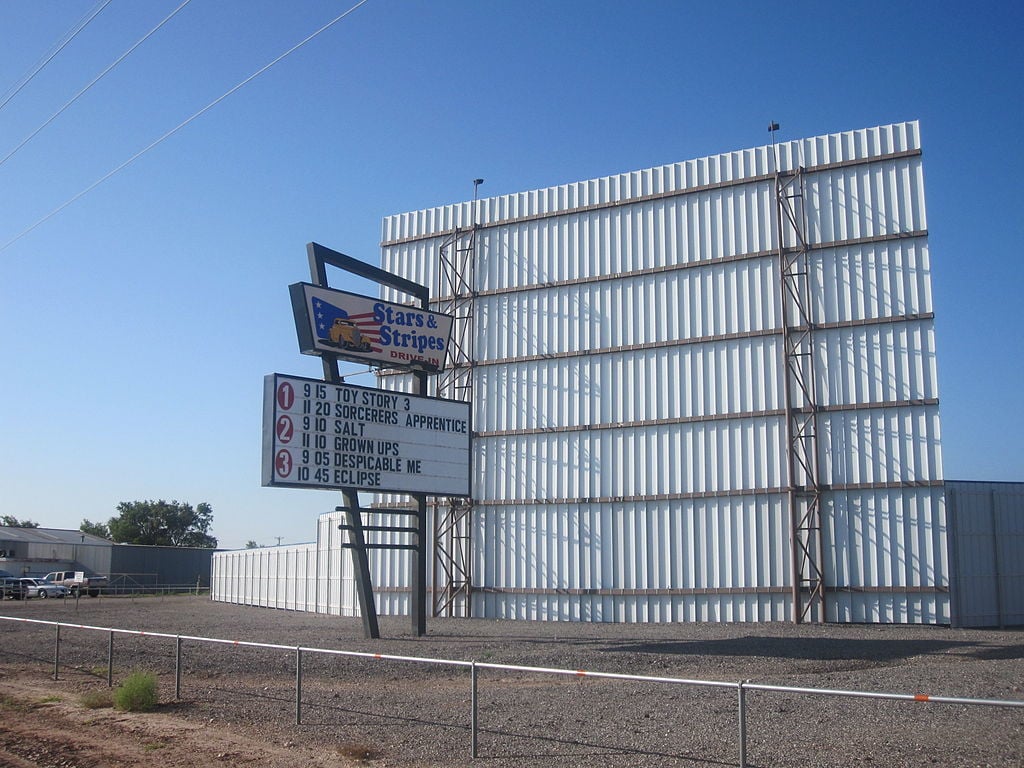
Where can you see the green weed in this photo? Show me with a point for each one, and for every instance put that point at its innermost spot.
(137, 693)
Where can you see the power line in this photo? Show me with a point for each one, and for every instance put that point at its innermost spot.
(58, 47)
(178, 127)
(95, 80)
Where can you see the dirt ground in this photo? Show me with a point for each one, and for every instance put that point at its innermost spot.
(45, 726)
(238, 706)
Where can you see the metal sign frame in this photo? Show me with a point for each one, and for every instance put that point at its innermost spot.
(320, 257)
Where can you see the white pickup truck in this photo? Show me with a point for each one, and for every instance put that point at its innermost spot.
(77, 582)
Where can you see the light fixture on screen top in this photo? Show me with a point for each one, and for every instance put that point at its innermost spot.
(476, 206)
(772, 128)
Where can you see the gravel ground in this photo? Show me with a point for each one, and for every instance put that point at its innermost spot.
(410, 714)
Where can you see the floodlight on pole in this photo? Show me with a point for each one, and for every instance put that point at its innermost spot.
(772, 128)
(476, 205)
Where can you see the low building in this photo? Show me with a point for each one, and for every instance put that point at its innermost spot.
(129, 567)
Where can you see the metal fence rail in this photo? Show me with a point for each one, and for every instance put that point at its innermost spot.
(741, 687)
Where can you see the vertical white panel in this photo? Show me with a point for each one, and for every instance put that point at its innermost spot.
(264, 577)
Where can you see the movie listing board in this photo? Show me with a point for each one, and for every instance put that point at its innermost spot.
(334, 436)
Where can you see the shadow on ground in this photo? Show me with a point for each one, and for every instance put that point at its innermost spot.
(823, 648)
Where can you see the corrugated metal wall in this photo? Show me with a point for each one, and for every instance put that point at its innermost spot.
(135, 565)
(55, 555)
(41, 550)
(316, 577)
(630, 450)
(271, 577)
(987, 522)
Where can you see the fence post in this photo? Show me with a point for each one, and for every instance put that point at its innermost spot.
(56, 652)
(298, 685)
(177, 667)
(742, 696)
(110, 659)
(473, 706)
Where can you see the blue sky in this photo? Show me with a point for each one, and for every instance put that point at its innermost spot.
(137, 324)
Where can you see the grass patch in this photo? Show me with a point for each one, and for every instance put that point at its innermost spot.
(360, 753)
(98, 699)
(137, 693)
(51, 699)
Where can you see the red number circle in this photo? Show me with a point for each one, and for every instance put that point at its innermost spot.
(284, 463)
(285, 395)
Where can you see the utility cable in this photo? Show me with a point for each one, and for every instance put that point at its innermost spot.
(93, 82)
(178, 127)
(61, 44)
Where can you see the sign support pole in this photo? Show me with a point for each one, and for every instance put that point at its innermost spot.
(367, 607)
(360, 560)
(364, 587)
(419, 555)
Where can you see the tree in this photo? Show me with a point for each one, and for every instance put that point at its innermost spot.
(96, 529)
(164, 523)
(12, 522)
(250, 544)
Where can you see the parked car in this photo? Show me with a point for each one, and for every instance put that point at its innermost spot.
(40, 588)
(12, 588)
(77, 582)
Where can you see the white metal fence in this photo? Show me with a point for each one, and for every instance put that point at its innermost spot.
(741, 687)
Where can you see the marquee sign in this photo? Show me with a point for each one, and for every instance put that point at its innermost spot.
(368, 330)
(335, 436)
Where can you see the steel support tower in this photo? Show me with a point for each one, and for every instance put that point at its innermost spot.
(453, 516)
(801, 404)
